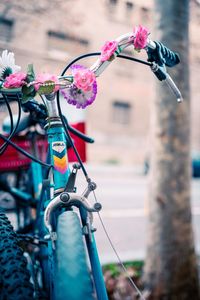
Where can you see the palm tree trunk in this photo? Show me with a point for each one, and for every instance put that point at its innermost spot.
(170, 268)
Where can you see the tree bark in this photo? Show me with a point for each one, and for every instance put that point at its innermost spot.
(171, 268)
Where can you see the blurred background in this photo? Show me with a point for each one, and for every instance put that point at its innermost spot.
(51, 33)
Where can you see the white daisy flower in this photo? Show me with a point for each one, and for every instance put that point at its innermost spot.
(7, 64)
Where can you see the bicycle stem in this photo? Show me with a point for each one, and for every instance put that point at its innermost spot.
(51, 104)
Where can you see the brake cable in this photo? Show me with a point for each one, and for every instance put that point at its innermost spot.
(13, 129)
(9, 112)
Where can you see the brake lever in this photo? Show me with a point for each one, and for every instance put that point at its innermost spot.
(162, 74)
(174, 88)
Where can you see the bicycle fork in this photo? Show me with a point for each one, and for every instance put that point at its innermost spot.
(67, 200)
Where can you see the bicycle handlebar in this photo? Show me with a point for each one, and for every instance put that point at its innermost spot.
(157, 53)
(80, 88)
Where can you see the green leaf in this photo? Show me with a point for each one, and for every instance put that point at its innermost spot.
(27, 89)
(28, 93)
(30, 73)
(26, 98)
(45, 90)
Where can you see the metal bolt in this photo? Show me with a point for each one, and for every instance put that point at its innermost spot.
(97, 206)
(92, 186)
(64, 197)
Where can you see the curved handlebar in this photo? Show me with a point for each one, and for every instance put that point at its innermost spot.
(156, 51)
(123, 41)
(80, 88)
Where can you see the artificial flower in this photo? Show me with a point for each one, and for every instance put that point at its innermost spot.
(48, 78)
(7, 64)
(15, 80)
(83, 78)
(140, 37)
(75, 94)
(108, 50)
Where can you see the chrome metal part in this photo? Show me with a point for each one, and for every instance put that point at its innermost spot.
(91, 187)
(174, 88)
(51, 104)
(68, 200)
(52, 121)
(123, 41)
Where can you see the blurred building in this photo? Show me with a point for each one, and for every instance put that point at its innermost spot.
(51, 33)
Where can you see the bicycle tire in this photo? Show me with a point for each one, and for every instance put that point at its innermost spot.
(72, 276)
(15, 278)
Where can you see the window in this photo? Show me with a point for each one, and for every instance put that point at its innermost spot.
(145, 13)
(6, 27)
(64, 42)
(129, 5)
(121, 112)
(144, 9)
(112, 6)
(113, 2)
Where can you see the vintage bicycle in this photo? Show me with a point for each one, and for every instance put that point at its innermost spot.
(58, 240)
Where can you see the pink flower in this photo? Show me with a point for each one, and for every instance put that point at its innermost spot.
(15, 80)
(83, 79)
(42, 78)
(141, 35)
(75, 95)
(108, 50)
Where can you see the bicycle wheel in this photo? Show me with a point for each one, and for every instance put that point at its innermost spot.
(15, 278)
(72, 276)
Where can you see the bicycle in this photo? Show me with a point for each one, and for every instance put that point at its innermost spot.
(59, 241)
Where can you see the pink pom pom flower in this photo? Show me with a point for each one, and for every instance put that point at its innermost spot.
(15, 80)
(83, 78)
(140, 36)
(46, 77)
(108, 50)
(84, 88)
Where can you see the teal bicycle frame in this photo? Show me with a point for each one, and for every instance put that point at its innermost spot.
(59, 176)
(46, 186)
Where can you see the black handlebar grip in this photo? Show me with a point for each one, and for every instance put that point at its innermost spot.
(163, 55)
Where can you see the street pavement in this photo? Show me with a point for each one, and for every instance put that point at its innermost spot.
(123, 193)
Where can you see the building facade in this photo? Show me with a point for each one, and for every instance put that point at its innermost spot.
(51, 33)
